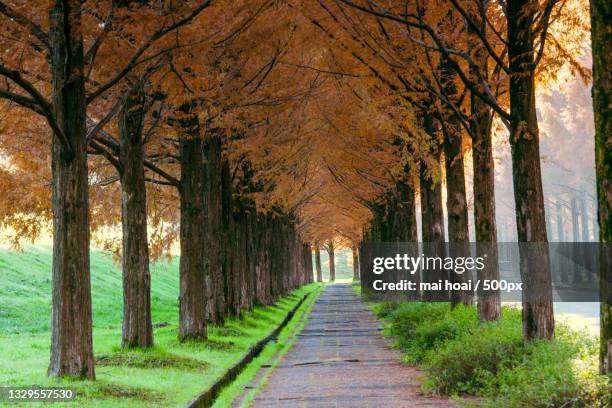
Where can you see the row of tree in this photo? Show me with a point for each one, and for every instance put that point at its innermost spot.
(244, 127)
(122, 87)
(460, 66)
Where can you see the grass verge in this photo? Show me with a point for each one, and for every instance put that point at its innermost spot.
(169, 374)
(461, 355)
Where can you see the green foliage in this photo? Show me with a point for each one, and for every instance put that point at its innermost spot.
(557, 373)
(383, 309)
(421, 327)
(461, 355)
(464, 363)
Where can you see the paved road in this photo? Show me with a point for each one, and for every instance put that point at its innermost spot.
(341, 360)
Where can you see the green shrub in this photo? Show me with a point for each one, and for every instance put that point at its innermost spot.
(461, 355)
(384, 309)
(420, 327)
(406, 317)
(452, 324)
(557, 373)
(467, 362)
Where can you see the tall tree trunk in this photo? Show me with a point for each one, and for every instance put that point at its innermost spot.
(575, 249)
(192, 313)
(561, 263)
(355, 253)
(216, 305)
(485, 225)
(137, 325)
(318, 262)
(601, 16)
(584, 221)
(308, 267)
(559, 209)
(240, 257)
(408, 207)
(548, 210)
(537, 310)
(575, 220)
(489, 302)
(585, 249)
(432, 224)
(332, 261)
(228, 241)
(251, 254)
(262, 269)
(456, 207)
(71, 325)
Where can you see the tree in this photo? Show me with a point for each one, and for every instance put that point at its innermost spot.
(137, 325)
(62, 50)
(192, 320)
(601, 13)
(355, 254)
(330, 248)
(318, 262)
(527, 24)
(431, 212)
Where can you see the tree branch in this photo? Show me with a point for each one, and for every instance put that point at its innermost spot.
(25, 22)
(46, 109)
(155, 37)
(481, 35)
(99, 149)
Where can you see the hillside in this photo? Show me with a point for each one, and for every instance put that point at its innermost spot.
(25, 290)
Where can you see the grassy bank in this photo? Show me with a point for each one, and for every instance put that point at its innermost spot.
(461, 355)
(170, 374)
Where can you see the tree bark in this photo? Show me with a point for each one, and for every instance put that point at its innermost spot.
(137, 326)
(485, 225)
(456, 207)
(601, 15)
(318, 262)
(250, 218)
(332, 261)
(432, 224)
(71, 325)
(192, 319)
(575, 249)
(229, 240)
(584, 221)
(408, 208)
(537, 310)
(489, 302)
(216, 305)
(355, 253)
(559, 209)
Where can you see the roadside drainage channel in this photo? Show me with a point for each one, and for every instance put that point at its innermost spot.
(207, 398)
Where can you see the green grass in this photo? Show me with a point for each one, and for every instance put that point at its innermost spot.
(170, 374)
(461, 355)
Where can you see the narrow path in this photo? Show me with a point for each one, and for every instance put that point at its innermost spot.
(341, 360)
